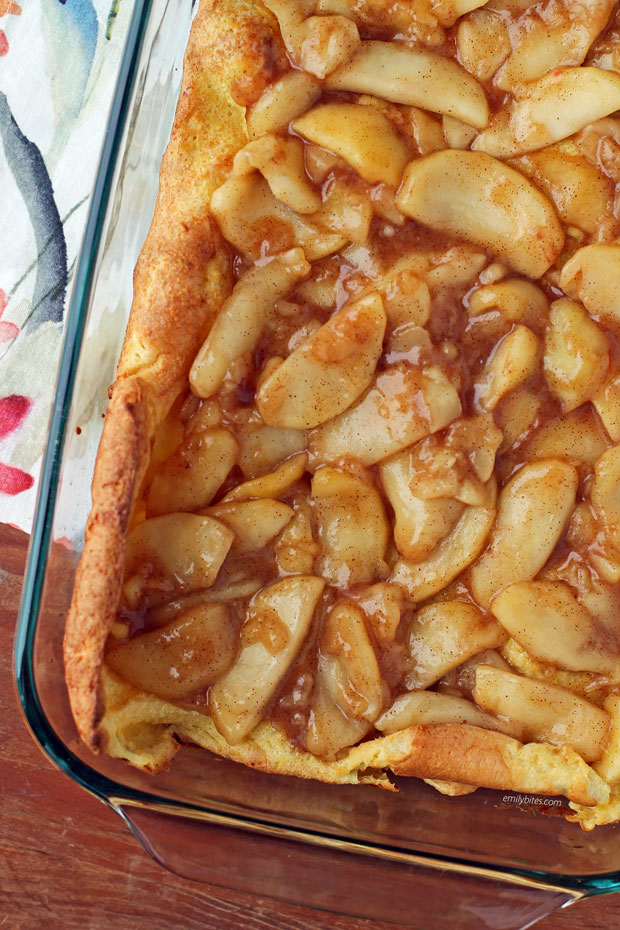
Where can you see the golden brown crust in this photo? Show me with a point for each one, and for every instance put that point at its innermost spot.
(471, 755)
(462, 758)
(183, 275)
(143, 729)
(120, 464)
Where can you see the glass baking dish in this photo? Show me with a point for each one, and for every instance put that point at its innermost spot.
(413, 858)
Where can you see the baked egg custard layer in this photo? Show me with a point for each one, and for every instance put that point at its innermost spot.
(356, 508)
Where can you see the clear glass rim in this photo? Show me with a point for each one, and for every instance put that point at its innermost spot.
(106, 789)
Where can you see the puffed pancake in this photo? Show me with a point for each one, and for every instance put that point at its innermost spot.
(356, 504)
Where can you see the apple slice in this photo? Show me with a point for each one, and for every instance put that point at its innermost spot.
(349, 664)
(273, 485)
(362, 135)
(553, 626)
(421, 708)
(533, 510)
(401, 406)
(181, 658)
(242, 319)
(276, 624)
(454, 554)
(416, 77)
(548, 713)
(478, 198)
(592, 275)
(353, 528)
(176, 553)
(192, 475)
(254, 523)
(420, 524)
(552, 108)
(576, 355)
(444, 635)
(326, 373)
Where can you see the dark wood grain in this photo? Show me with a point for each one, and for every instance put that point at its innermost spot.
(69, 863)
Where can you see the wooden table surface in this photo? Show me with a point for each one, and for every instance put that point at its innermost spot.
(69, 863)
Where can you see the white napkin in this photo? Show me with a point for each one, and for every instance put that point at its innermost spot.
(58, 65)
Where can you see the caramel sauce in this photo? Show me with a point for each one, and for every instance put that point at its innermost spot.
(266, 628)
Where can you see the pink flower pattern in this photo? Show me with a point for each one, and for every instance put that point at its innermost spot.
(13, 410)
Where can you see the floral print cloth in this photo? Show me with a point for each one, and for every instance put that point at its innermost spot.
(58, 65)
